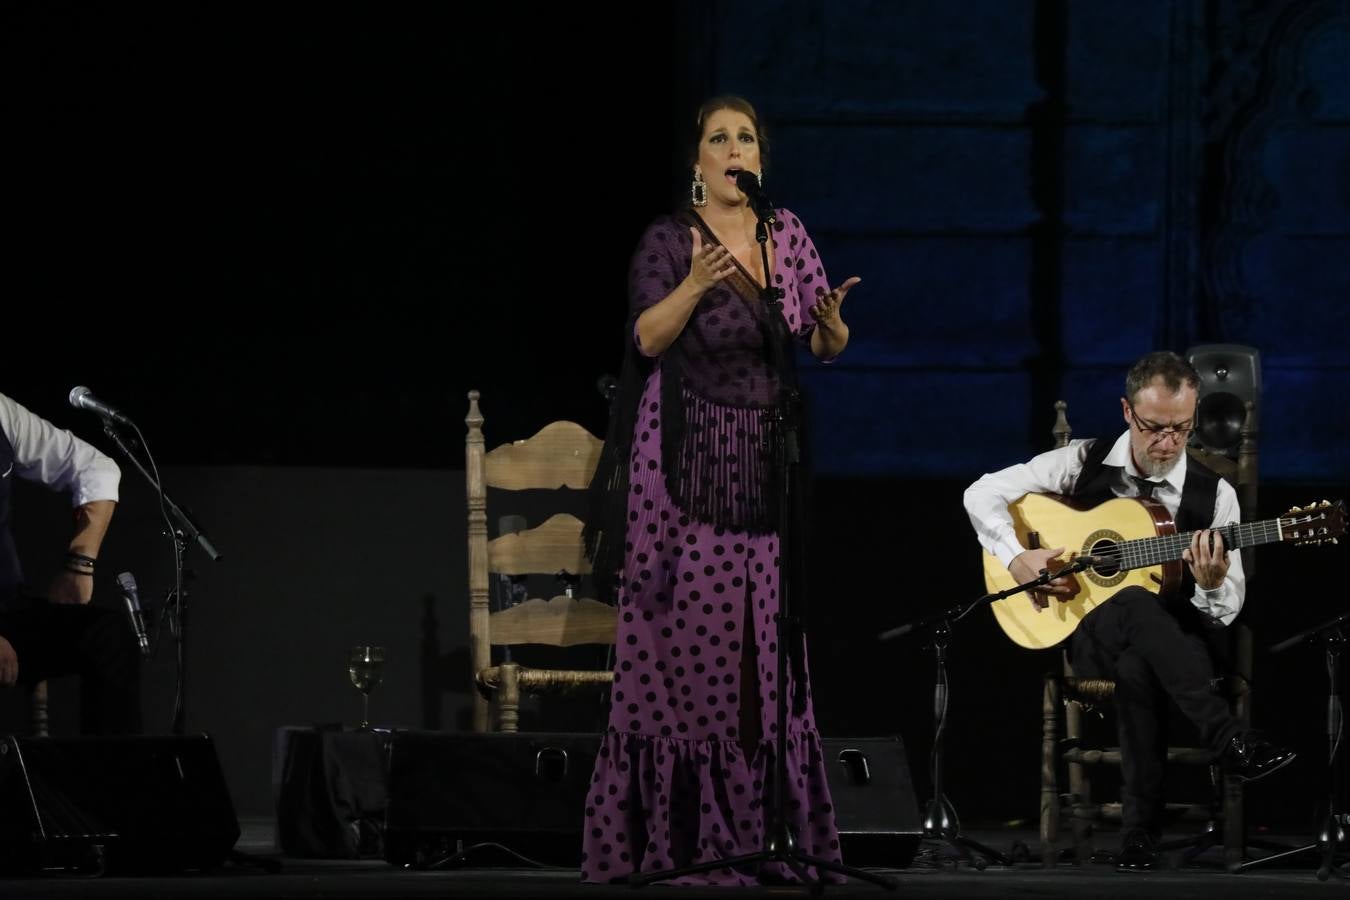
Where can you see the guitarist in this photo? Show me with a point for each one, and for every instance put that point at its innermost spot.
(1153, 649)
(62, 633)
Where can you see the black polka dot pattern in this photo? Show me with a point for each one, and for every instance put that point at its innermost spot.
(676, 782)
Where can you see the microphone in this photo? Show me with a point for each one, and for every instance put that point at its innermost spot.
(748, 184)
(1090, 561)
(1086, 561)
(127, 582)
(83, 398)
(608, 386)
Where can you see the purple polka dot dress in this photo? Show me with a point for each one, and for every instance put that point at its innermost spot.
(685, 770)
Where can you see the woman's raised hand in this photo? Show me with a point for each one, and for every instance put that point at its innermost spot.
(826, 308)
(709, 264)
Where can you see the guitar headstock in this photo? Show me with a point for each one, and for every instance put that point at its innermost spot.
(1316, 523)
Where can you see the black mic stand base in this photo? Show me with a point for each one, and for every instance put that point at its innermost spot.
(1332, 848)
(780, 849)
(1332, 840)
(940, 824)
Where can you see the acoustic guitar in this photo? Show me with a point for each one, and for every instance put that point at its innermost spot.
(1136, 542)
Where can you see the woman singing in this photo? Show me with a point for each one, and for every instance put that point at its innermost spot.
(685, 523)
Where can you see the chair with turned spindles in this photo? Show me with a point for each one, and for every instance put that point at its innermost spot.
(562, 455)
(1065, 698)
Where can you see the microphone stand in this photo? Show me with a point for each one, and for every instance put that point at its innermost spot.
(182, 530)
(940, 821)
(780, 843)
(1332, 836)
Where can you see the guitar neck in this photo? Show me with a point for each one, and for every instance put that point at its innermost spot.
(1156, 550)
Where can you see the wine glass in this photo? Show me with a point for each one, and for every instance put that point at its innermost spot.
(365, 666)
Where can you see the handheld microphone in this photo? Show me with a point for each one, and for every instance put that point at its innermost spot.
(83, 398)
(130, 596)
(748, 184)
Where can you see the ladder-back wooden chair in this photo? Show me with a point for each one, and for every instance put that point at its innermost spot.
(1064, 693)
(561, 455)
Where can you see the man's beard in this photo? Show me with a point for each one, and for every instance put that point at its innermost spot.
(1157, 468)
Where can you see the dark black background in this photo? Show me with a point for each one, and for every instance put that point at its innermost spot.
(298, 233)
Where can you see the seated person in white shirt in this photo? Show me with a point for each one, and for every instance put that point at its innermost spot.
(1153, 649)
(59, 634)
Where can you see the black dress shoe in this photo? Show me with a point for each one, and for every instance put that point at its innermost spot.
(1137, 853)
(1249, 757)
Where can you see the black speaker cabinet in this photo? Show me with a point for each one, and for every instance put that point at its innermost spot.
(874, 803)
(119, 804)
(1230, 376)
(527, 792)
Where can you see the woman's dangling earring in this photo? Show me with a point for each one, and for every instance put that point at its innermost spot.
(698, 190)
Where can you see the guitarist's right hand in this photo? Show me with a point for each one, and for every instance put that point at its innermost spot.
(1028, 566)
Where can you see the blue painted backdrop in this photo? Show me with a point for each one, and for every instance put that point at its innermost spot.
(1037, 193)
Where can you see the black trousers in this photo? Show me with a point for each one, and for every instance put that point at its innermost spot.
(1133, 640)
(95, 643)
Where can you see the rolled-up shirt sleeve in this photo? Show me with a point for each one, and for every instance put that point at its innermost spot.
(987, 500)
(57, 458)
(1223, 603)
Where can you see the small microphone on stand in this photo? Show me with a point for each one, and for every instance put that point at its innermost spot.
(1082, 563)
(131, 598)
(748, 184)
(608, 386)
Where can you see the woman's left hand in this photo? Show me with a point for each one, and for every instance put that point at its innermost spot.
(826, 308)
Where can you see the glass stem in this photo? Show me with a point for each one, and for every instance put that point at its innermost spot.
(365, 710)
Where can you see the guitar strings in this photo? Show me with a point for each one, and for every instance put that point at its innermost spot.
(1135, 553)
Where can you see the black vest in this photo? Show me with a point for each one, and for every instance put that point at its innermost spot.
(1195, 512)
(11, 576)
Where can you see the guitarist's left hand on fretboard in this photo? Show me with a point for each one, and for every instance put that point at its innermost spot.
(1208, 558)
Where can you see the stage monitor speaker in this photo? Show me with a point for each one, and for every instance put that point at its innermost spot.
(449, 792)
(521, 791)
(1230, 376)
(874, 803)
(113, 804)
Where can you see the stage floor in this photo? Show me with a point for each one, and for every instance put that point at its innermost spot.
(933, 874)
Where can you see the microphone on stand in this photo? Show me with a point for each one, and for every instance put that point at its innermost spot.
(1088, 561)
(131, 598)
(748, 184)
(83, 398)
(1085, 561)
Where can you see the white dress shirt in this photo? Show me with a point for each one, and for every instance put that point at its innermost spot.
(55, 457)
(1056, 471)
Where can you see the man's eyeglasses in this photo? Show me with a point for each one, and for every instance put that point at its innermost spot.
(1157, 431)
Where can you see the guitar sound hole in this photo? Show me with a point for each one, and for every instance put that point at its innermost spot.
(1108, 549)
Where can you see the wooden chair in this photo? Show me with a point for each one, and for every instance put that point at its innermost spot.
(561, 455)
(1062, 690)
